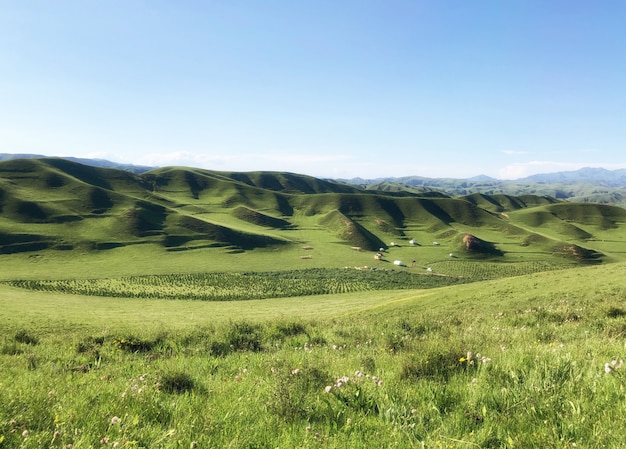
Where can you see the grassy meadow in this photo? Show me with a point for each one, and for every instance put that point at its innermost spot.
(516, 362)
(187, 308)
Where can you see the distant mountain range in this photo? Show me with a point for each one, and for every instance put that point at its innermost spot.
(595, 185)
(600, 176)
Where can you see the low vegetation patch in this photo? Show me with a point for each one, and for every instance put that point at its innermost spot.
(24, 336)
(176, 382)
(241, 286)
(492, 270)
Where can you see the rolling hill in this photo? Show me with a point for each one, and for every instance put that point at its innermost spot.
(53, 204)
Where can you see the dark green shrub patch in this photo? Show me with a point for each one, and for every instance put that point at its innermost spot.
(11, 348)
(244, 336)
(295, 392)
(219, 349)
(176, 382)
(23, 336)
(615, 312)
(441, 364)
(89, 345)
(288, 329)
(133, 344)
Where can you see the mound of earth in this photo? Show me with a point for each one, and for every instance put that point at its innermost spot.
(474, 245)
(578, 253)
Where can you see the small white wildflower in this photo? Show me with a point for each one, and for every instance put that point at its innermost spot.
(115, 420)
(328, 389)
(295, 371)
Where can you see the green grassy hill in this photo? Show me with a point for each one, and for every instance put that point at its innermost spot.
(54, 207)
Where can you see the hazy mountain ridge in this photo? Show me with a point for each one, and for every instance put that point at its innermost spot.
(62, 205)
(615, 178)
(596, 185)
(599, 176)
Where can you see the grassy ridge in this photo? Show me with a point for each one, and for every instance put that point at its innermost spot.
(53, 204)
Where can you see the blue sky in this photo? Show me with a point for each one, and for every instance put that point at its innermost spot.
(337, 88)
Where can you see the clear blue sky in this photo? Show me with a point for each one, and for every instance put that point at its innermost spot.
(329, 88)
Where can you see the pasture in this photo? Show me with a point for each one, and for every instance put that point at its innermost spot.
(187, 308)
(529, 361)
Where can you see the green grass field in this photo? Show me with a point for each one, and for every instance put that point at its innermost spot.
(339, 370)
(186, 308)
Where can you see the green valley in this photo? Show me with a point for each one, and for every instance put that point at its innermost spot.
(187, 308)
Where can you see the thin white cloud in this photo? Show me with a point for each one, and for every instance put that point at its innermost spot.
(514, 152)
(187, 158)
(317, 164)
(96, 155)
(304, 158)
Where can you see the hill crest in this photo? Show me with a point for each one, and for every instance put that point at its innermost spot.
(62, 205)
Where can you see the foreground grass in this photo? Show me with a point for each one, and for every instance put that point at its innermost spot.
(508, 363)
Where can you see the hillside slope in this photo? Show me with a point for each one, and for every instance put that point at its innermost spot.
(55, 204)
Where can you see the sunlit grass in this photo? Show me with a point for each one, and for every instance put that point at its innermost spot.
(507, 363)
